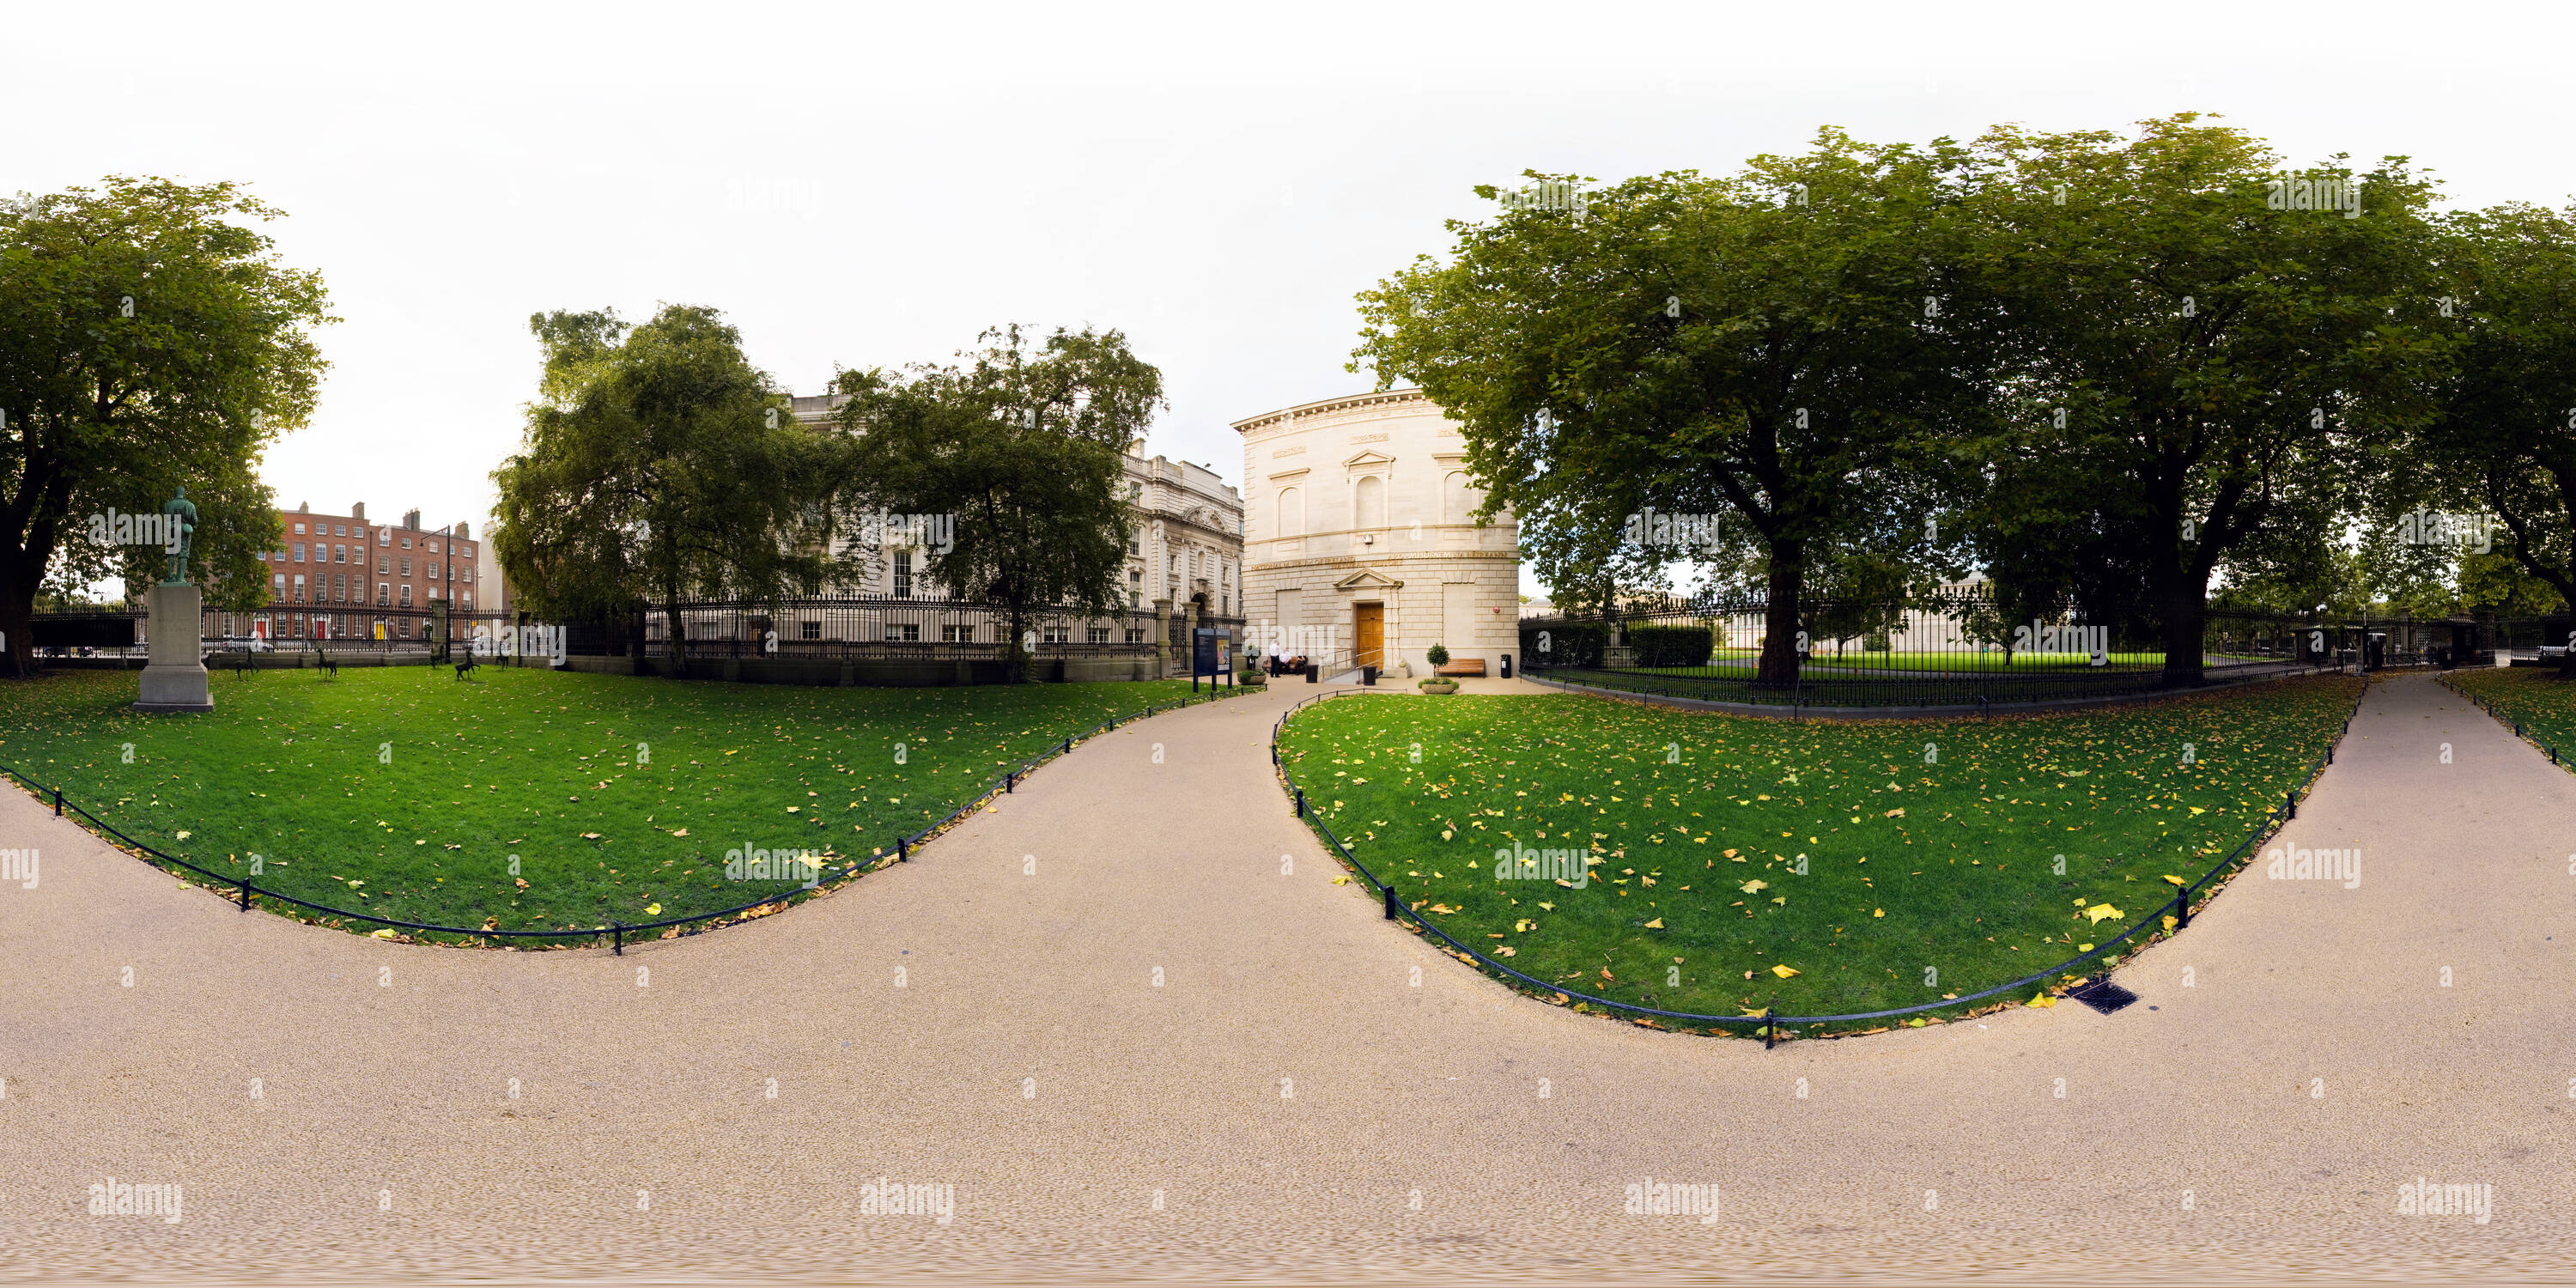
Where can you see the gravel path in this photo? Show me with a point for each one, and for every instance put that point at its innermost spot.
(961, 1021)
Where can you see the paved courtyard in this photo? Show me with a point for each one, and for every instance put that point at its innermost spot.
(1288, 1104)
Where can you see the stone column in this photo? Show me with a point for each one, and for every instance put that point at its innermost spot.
(1162, 637)
(175, 678)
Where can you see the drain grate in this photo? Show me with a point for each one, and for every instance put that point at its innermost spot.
(2102, 995)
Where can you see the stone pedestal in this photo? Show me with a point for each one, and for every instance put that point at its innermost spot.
(175, 679)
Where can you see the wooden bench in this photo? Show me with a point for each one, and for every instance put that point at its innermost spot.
(1474, 666)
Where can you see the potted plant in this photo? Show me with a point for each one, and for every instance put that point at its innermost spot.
(1252, 677)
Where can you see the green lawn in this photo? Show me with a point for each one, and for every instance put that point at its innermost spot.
(1910, 867)
(2532, 696)
(404, 793)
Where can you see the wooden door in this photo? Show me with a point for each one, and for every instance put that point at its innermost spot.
(1370, 622)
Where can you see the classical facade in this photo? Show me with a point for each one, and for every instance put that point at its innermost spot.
(1360, 541)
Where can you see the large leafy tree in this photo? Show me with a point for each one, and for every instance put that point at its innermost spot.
(2504, 438)
(659, 466)
(1018, 445)
(1787, 348)
(2222, 367)
(149, 340)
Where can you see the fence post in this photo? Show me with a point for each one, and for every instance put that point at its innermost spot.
(617, 938)
(2182, 908)
(1390, 901)
(2292, 800)
(902, 850)
(1010, 779)
(245, 896)
(1301, 802)
(1770, 1025)
(2329, 755)
(58, 802)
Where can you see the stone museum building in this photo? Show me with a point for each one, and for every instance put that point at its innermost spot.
(1359, 543)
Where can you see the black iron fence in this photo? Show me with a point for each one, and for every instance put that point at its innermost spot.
(2091, 963)
(1957, 647)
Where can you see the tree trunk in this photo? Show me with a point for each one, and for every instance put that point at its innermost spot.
(18, 622)
(1779, 666)
(679, 640)
(2186, 613)
(1015, 657)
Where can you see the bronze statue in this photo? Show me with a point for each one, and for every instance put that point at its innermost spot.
(183, 516)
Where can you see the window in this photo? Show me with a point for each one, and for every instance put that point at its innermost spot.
(1135, 543)
(1368, 503)
(299, 550)
(1292, 512)
(809, 630)
(1457, 500)
(339, 529)
(1135, 635)
(903, 574)
(384, 536)
(1058, 635)
(339, 554)
(383, 591)
(299, 530)
(433, 572)
(957, 633)
(406, 543)
(383, 566)
(430, 546)
(406, 628)
(465, 575)
(406, 567)
(1096, 635)
(277, 583)
(299, 588)
(1135, 599)
(903, 632)
(469, 601)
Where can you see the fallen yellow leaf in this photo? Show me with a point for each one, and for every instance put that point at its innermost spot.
(1878, 912)
(2043, 1000)
(1782, 971)
(1656, 924)
(2100, 912)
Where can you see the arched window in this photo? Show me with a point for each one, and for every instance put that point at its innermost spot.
(1457, 499)
(1368, 503)
(1292, 512)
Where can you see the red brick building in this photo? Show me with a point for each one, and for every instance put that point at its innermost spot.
(338, 576)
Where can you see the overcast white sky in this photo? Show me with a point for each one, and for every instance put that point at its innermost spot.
(866, 185)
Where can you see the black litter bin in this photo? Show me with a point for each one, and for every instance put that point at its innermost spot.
(1314, 671)
(1507, 666)
(1368, 675)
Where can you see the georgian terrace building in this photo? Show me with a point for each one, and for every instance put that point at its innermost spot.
(1358, 539)
(332, 576)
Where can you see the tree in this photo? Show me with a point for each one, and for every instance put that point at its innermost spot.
(2504, 437)
(1786, 348)
(659, 465)
(147, 342)
(1018, 448)
(2222, 365)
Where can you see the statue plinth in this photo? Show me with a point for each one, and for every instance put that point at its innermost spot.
(175, 679)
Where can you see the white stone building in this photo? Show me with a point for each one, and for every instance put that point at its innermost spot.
(1358, 540)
